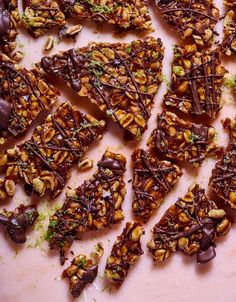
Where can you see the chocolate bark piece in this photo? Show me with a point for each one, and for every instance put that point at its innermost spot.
(124, 253)
(190, 226)
(24, 94)
(18, 221)
(83, 270)
(121, 79)
(9, 20)
(197, 77)
(152, 180)
(182, 140)
(223, 178)
(95, 205)
(45, 161)
(192, 19)
(122, 14)
(39, 16)
(229, 41)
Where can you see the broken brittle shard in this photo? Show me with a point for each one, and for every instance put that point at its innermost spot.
(9, 20)
(190, 226)
(39, 16)
(95, 205)
(18, 221)
(122, 14)
(197, 78)
(44, 162)
(125, 252)
(152, 180)
(223, 178)
(121, 79)
(193, 19)
(182, 140)
(83, 270)
(24, 94)
(229, 40)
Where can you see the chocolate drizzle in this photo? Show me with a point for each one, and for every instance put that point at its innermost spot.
(188, 219)
(92, 206)
(196, 144)
(18, 221)
(204, 70)
(109, 79)
(152, 180)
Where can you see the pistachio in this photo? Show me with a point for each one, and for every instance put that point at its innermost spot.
(49, 44)
(10, 187)
(85, 164)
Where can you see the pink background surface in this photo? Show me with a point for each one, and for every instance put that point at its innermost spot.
(33, 274)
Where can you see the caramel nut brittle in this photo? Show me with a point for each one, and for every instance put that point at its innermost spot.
(191, 226)
(16, 222)
(121, 14)
(152, 180)
(124, 253)
(95, 205)
(45, 161)
(24, 94)
(182, 140)
(193, 19)
(9, 19)
(197, 77)
(229, 41)
(121, 79)
(39, 16)
(223, 178)
(83, 271)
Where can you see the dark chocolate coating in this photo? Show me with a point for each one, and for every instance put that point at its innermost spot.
(5, 114)
(17, 223)
(5, 22)
(206, 256)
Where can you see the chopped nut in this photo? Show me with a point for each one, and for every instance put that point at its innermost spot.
(85, 164)
(229, 41)
(194, 235)
(49, 44)
(125, 253)
(95, 205)
(10, 187)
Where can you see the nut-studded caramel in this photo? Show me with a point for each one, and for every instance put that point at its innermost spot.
(229, 41)
(193, 19)
(223, 179)
(182, 140)
(121, 79)
(45, 161)
(191, 226)
(122, 14)
(40, 16)
(9, 20)
(83, 270)
(124, 253)
(94, 205)
(197, 77)
(24, 95)
(152, 180)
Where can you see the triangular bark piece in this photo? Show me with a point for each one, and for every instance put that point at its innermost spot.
(121, 79)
